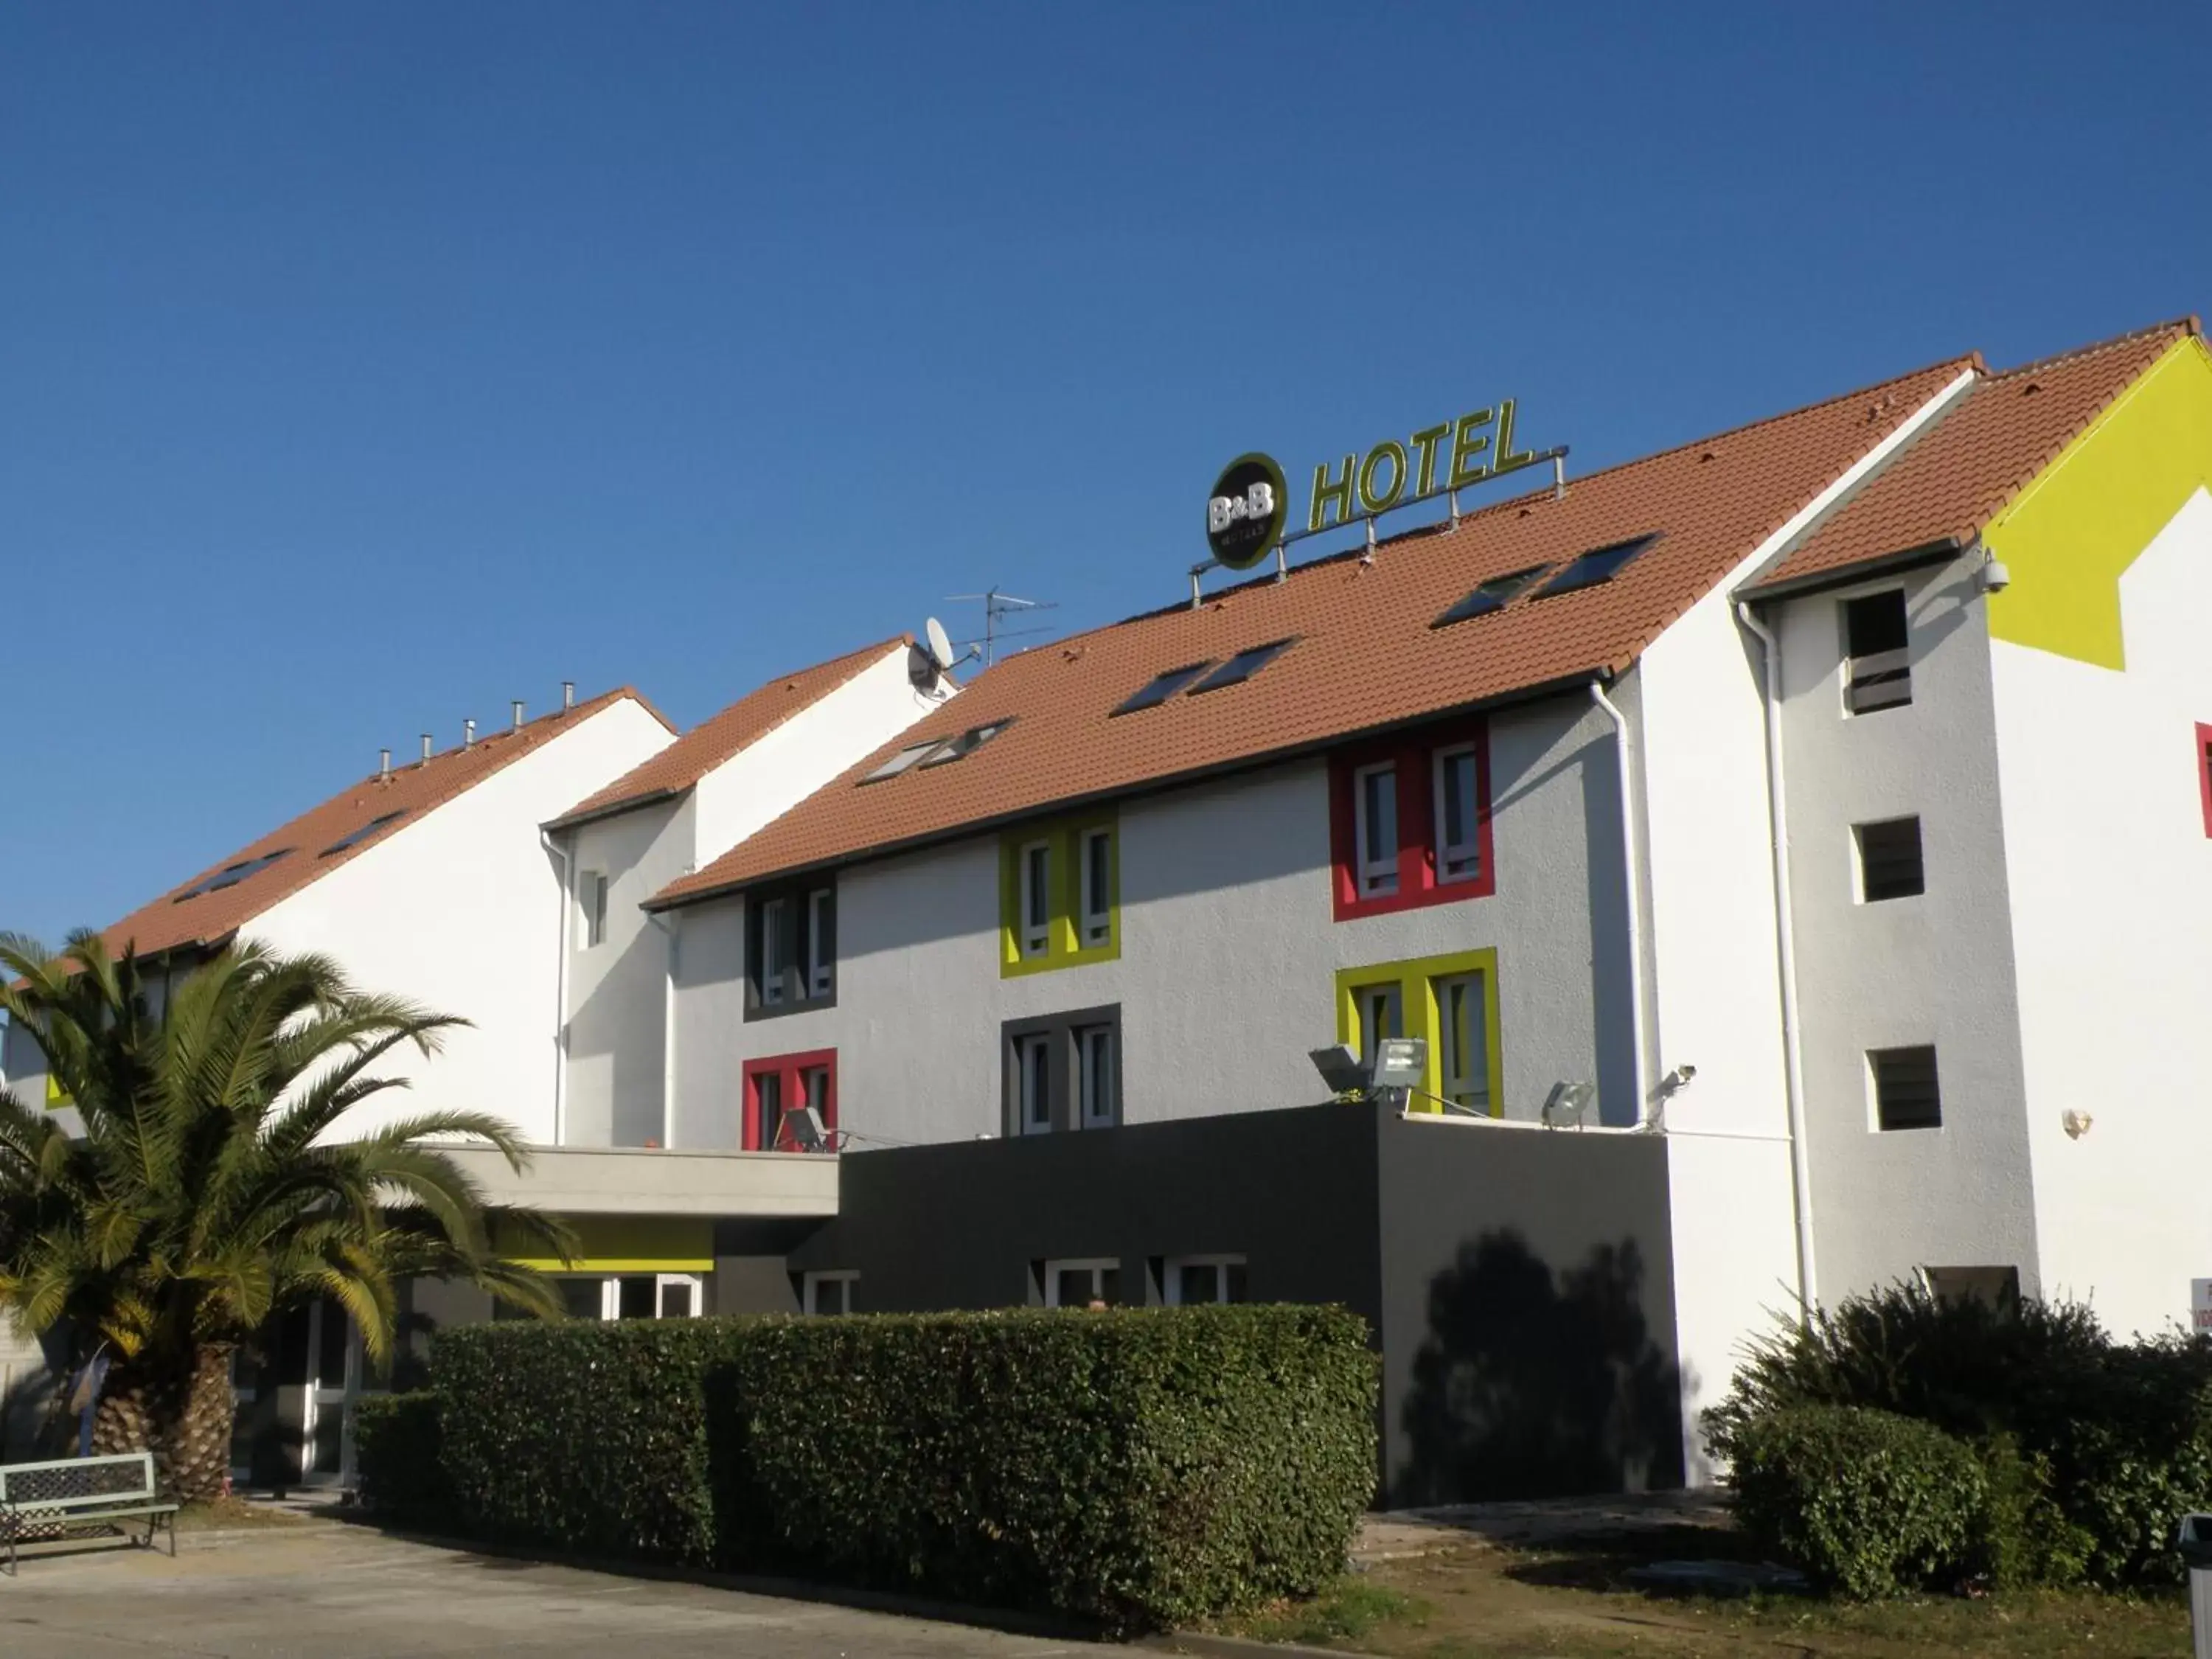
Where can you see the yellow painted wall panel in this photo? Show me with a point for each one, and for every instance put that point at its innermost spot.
(2075, 529)
(634, 1243)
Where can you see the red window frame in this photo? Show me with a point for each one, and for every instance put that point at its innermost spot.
(2204, 774)
(1413, 755)
(790, 1071)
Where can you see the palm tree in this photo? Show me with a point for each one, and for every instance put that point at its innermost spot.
(207, 1190)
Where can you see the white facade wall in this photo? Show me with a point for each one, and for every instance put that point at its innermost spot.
(1935, 968)
(1226, 975)
(617, 1008)
(2105, 830)
(460, 909)
(769, 777)
(617, 991)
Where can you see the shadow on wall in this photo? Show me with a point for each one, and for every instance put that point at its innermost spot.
(1529, 1386)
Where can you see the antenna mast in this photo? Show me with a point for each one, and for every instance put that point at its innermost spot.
(997, 607)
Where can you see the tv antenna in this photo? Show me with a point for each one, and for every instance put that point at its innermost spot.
(997, 607)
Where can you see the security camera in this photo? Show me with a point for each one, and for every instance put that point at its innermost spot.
(1995, 577)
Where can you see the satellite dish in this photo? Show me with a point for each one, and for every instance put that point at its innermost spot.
(940, 646)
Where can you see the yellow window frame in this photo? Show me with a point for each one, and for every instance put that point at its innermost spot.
(1416, 978)
(1064, 945)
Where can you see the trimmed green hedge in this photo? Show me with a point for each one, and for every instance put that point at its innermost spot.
(1140, 1467)
(396, 1445)
(1866, 1502)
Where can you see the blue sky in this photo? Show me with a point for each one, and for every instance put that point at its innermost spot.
(367, 367)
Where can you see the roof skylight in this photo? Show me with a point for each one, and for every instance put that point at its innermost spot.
(1244, 664)
(906, 757)
(230, 875)
(966, 744)
(1598, 565)
(1152, 695)
(355, 837)
(1493, 595)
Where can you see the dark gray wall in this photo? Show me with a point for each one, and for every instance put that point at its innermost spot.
(959, 1225)
(1527, 1313)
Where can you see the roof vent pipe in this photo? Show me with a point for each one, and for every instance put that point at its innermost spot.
(468, 734)
(1560, 473)
(517, 706)
(383, 764)
(426, 748)
(567, 694)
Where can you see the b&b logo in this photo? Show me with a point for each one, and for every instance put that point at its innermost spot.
(1244, 514)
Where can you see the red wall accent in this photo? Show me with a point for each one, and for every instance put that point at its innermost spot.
(1413, 754)
(786, 1068)
(2204, 772)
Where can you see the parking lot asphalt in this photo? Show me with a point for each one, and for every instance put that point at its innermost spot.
(349, 1593)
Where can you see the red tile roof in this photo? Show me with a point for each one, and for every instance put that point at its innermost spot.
(1945, 486)
(415, 790)
(1366, 657)
(740, 725)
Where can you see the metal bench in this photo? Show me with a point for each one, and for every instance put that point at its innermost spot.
(49, 1500)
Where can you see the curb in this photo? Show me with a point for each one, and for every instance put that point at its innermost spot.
(1009, 1620)
(1210, 1646)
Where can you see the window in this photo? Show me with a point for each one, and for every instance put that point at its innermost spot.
(966, 744)
(1242, 666)
(624, 1296)
(1377, 788)
(1450, 1002)
(1166, 686)
(1458, 791)
(777, 1089)
(821, 942)
(829, 1293)
(1036, 898)
(1600, 564)
(355, 837)
(1409, 821)
(1998, 1287)
(1889, 860)
(1381, 1014)
(231, 874)
(1033, 1075)
(791, 949)
(1097, 887)
(1195, 1280)
(1875, 641)
(591, 897)
(1083, 1283)
(1493, 595)
(906, 757)
(776, 949)
(1462, 1030)
(1098, 1095)
(1905, 1095)
(1062, 1072)
(1060, 889)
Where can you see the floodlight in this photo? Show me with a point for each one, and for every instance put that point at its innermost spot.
(1341, 1069)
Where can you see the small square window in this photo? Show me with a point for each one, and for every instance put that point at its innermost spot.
(1375, 802)
(1493, 595)
(830, 1292)
(905, 759)
(1889, 860)
(959, 748)
(1906, 1094)
(1877, 642)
